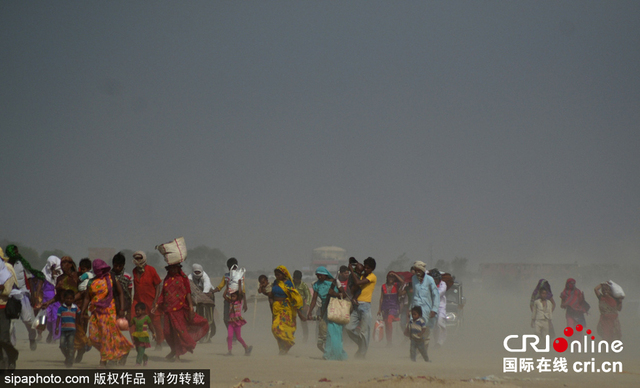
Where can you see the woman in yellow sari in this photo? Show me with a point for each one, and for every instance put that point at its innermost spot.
(286, 304)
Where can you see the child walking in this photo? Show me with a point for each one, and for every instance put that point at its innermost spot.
(142, 324)
(418, 331)
(67, 315)
(235, 320)
(541, 315)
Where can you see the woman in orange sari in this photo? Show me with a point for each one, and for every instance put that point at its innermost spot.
(103, 332)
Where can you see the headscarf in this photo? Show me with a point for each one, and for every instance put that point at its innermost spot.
(179, 266)
(322, 287)
(197, 268)
(50, 276)
(323, 271)
(141, 262)
(291, 292)
(202, 281)
(421, 266)
(542, 284)
(68, 281)
(285, 271)
(102, 269)
(14, 255)
(573, 297)
(68, 259)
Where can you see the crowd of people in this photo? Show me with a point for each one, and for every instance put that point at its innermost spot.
(609, 296)
(94, 305)
(413, 297)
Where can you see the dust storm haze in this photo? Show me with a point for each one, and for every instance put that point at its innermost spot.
(501, 132)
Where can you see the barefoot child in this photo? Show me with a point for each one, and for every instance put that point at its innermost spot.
(235, 320)
(142, 323)
(67, 315)
(418, 332)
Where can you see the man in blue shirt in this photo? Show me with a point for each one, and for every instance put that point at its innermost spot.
(425, 295)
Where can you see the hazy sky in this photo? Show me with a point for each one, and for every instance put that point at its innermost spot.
(493, 130)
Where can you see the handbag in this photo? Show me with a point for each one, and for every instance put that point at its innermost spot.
(378, 329)
(339, 311)
(13, 308)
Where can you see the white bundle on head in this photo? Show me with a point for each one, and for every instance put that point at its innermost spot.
(235, 275)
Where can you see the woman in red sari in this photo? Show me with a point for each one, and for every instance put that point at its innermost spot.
(573, 301)
(182, 326)
(609, 325)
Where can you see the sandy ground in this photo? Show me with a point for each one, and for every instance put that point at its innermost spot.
(472, 356)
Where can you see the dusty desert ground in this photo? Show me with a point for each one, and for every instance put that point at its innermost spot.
(472, 356)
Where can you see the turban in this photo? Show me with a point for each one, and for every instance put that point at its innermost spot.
(420, 265)
(140, 260)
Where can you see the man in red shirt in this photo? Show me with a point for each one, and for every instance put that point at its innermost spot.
(146, 285)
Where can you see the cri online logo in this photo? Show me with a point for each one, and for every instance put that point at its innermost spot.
(560, 345)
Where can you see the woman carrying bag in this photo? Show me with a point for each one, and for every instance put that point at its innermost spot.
(330, 336)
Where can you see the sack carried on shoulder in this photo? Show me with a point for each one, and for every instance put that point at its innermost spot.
(13, 308)
(616, 290)
(339, 311)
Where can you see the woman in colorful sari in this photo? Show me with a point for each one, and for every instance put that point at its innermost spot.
(609, 325)
(573, 301)
(182, 326)
(103, 332)
(51, 272)
(330, 336)
(69, 281)
(286, 303)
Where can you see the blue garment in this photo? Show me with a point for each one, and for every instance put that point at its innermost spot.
(67, 317)
(322, 289)
(323, 271)
(427, 296)
(278, 292)
(333, 349)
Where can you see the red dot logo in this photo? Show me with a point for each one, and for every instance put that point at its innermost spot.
(560, 345)
(579, 327)
(593, 337)
(589, 331)
(568, 331)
